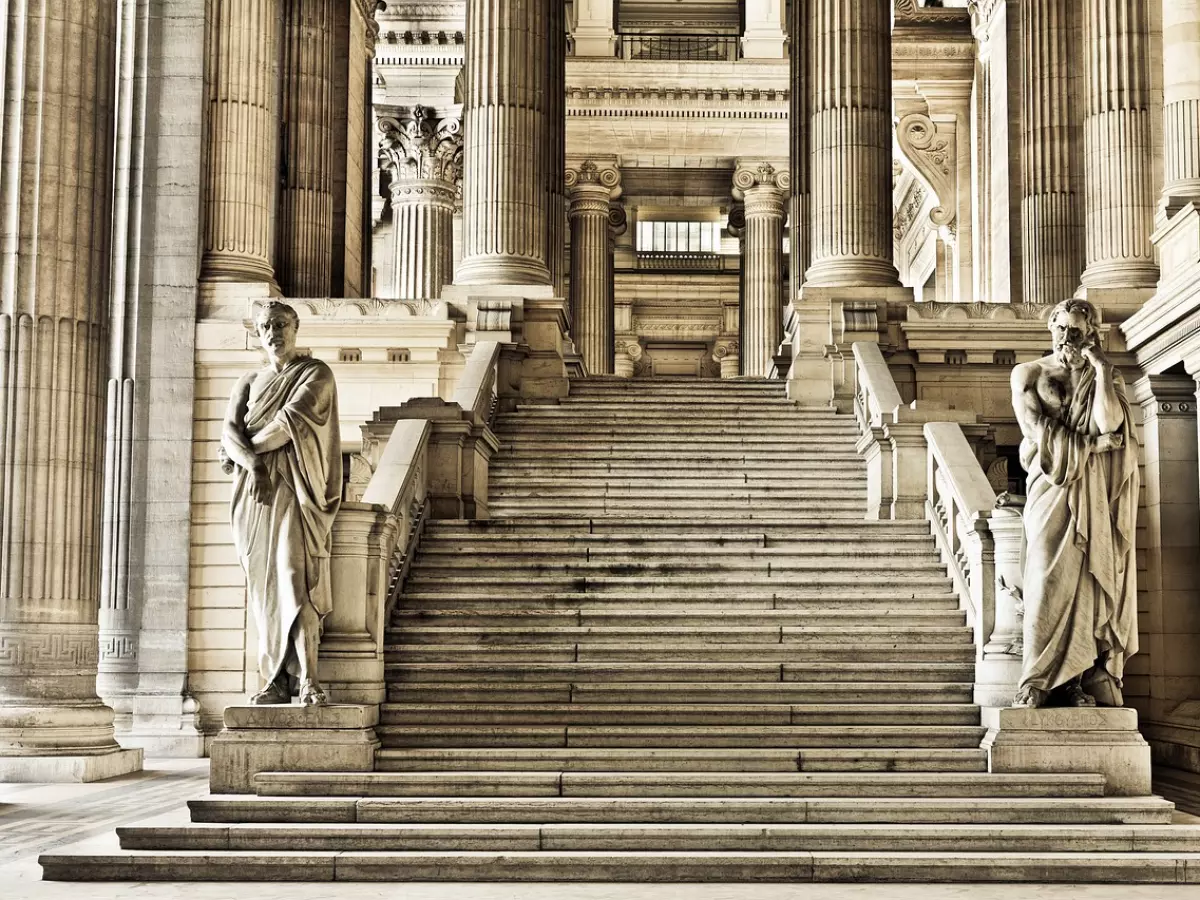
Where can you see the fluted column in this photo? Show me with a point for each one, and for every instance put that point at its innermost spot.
(764, 190)
(556, 148)
(800, 99)
(504, 117)
(423, 157)
(591, 189)
(56, 170)
(1051, 151)
(1117, 147)
(241, 47)
(851, 143)
(1181, 103)
(304, 256)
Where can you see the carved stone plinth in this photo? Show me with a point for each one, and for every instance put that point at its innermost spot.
(334, 738)
(1060, 740)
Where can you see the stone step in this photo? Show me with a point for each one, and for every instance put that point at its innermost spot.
(782, 528)
(403, 671)
(430, 578)
(676, 760)
(829, 618)
(351, 837)
(746, 550)
(924, 564)
(507, 785)
(915, 715)
(792, 737)
(598, 425)
(620, 866)
(724, 810)
(684, 496)
(800, 472)
(866, 636)
(830, 482)
(879, 603)
(650, 693)
(614, 508)
(599, 651)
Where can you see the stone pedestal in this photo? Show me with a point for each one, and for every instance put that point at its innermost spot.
(1059, 740)
(335, 738)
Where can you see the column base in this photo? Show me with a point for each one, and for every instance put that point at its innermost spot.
(69, 769)
(293, 738)
(1056, 740)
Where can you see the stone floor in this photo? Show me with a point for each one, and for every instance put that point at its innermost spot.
(35, 818)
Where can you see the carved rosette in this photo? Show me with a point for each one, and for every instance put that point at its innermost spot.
(423, 156)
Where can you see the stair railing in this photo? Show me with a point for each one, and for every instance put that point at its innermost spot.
(979, 539)
(477, 389)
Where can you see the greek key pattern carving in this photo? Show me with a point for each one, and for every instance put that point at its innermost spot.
(48, 650)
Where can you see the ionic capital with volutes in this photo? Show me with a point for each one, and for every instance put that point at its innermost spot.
(763, 187)
(592, 185)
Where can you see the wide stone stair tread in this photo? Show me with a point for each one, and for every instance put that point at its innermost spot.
(654, 634)
(652, 693)
(850, 673)
(718, 617)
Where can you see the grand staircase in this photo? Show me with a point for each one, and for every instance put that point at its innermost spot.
(676, 652)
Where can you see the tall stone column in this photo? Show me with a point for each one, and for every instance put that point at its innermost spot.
(56, 196)
(241, 47)
(800, 99)
(1117, 146)
(763, 37)
(504, 155)
(764, 191)
(594, 34)
(591, 189)
(556, 149)
(304, 255)
(851, 143)
(1181, 103)
(423, 156)
(1051, 151)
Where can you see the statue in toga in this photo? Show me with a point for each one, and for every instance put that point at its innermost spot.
(1080, 450)
(280, 442)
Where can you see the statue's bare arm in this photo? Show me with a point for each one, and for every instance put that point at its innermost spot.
(234, 441)
(1026, 403)
(1107, 414)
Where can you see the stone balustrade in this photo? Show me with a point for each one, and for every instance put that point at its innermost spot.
(920, 465)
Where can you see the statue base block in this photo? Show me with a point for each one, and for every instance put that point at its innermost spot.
(335, 738)
(1059, 740)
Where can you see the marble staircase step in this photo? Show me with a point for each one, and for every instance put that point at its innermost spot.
(599, 651)
(622, 866)
(784, 528)
(570, 784)
(433, 565)
(404, 671)
(718, 838)
(857, 634)
(650, 581)
(651, 617)
(879, 603)
(682, 760)
(1123, 811)
(792, 737)
(678, 713)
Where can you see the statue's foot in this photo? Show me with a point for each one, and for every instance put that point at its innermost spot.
(1030, 698)
(271, 695)
(1074, 695)
(311, 694)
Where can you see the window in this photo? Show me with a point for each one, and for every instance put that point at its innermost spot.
(679, 237)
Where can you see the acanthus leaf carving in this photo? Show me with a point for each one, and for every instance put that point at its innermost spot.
(421, 147)
(932, 157)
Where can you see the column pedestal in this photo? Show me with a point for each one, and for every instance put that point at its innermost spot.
(1060, 740)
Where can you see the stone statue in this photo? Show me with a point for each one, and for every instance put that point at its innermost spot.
(1080, 450)
(280, 442)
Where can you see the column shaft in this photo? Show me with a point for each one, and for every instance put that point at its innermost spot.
(56, 169)
(423, 228)
(1051, 152)
(505, 118)
(764, 192)
(1117, 146)
(591, 301)
(800, 81)
(304, 259)
(243, 139)
(556, 148)
(1181, 102)
(851, 135)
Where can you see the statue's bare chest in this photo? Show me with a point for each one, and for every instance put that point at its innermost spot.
(1055, 389)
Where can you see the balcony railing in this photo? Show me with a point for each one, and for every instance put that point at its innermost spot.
(680, 47)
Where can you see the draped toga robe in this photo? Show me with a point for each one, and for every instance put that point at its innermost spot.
(284, 544)
(1080, 575)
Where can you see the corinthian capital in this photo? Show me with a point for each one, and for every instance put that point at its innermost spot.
(421, 147)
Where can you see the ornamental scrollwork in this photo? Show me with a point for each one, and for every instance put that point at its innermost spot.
(421, 147)
(932, 156)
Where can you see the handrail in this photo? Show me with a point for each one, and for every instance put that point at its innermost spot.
(476, 392)
(679, 47)
(877, 397)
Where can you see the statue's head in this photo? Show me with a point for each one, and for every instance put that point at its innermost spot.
(276, 324)
(1074, 324)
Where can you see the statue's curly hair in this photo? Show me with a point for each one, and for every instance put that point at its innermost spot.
(1090, 314)
(264, 310)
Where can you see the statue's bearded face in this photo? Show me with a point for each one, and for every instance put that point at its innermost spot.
(1071, 333)
(277, 331)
